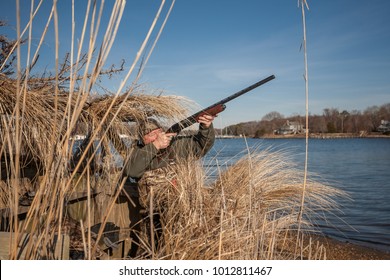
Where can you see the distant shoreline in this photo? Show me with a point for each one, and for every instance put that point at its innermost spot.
(330, 136)
(311, 136)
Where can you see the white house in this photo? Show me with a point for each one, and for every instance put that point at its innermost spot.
(290, 128)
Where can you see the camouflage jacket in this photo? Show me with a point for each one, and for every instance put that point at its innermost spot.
(144, 158)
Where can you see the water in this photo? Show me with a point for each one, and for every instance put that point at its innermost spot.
(359, 166)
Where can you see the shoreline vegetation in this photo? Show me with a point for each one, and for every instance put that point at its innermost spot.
(312, 136)
(373, 120)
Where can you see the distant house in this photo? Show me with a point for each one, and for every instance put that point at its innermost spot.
(384, 127)
(290, 128)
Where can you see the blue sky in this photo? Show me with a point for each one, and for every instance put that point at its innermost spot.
(211, 49)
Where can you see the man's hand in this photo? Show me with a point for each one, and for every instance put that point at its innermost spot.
(206, 120)
(163, 140)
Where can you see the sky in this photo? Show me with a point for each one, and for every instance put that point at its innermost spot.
(210, 49)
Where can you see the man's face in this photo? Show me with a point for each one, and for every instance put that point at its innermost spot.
(152, 136)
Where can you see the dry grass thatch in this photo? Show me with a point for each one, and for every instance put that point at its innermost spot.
(250, 212)
(45, 149)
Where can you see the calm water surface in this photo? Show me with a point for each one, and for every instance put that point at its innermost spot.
(359, 166)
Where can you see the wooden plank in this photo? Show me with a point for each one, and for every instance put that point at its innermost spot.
(61, 251)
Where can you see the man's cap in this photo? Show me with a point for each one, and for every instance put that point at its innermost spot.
(148, 125)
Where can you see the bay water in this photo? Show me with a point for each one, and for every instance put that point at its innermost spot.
(358, 166)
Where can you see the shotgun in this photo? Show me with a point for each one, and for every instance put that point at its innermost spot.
(215, 108)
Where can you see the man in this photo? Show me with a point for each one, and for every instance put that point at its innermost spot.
(156, 149)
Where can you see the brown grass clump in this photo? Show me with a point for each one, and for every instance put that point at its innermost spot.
(45, 152)
(40, 178)
(250, 212)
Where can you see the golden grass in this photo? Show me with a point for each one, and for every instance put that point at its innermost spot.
(250, 212)
(54, 182)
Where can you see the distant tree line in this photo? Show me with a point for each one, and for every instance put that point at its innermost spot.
(332, 120)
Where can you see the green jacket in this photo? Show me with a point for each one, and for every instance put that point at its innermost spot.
(144, 158)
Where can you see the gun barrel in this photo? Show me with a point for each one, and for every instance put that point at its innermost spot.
(245, 90)
(192, 119)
